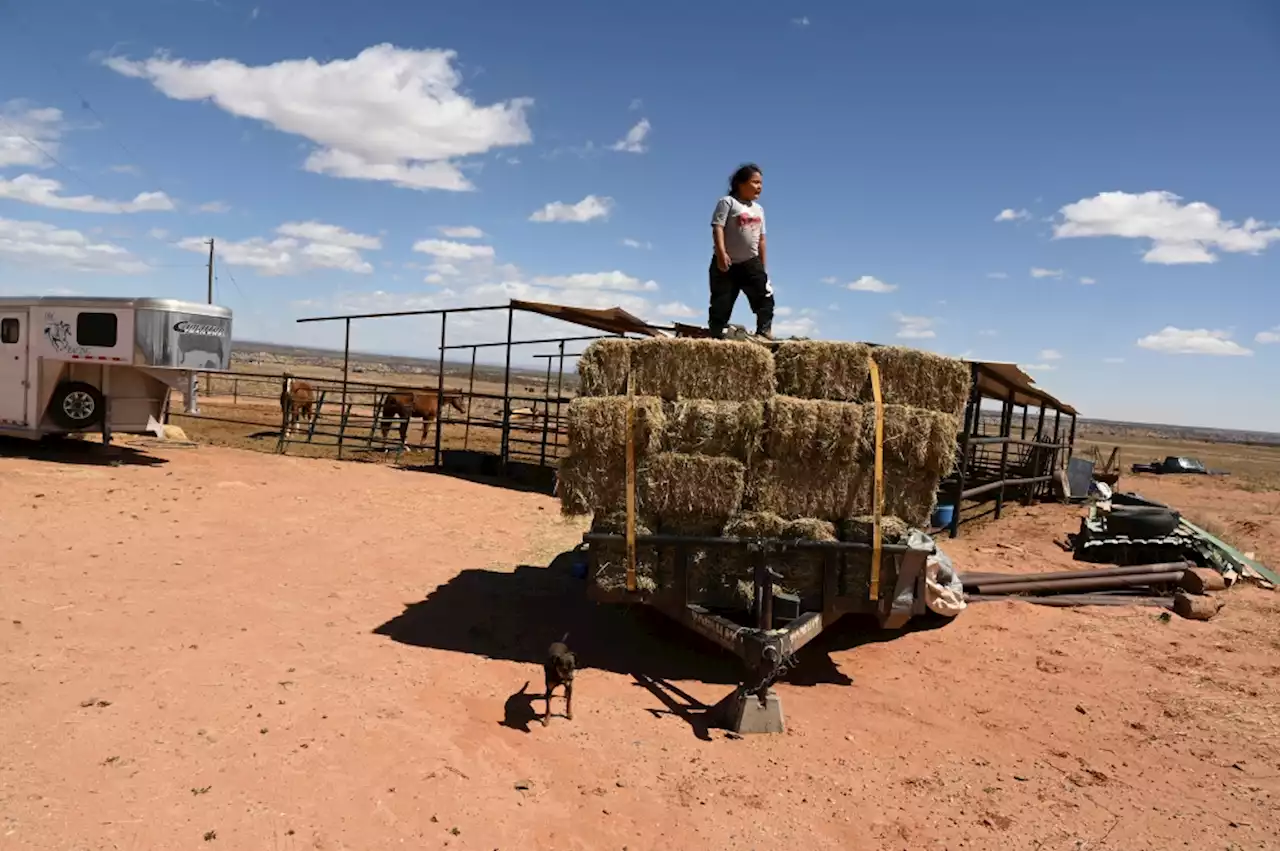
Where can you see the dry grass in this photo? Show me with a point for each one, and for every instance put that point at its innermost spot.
(920, 439)
(598, 425)
(701, 427)
(718, 370)
(823, 370)
(603, 367)
(792, 489)
(591, 484)
(922, 379)
(678, 488)
(811, 430)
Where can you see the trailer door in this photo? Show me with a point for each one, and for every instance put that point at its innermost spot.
(13, 369)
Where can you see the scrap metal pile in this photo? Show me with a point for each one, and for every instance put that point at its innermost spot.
(1160, 560)
(743, 440)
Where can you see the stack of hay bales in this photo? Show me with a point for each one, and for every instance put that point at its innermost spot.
(732, 439)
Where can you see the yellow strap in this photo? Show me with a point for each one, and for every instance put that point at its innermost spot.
(878, 494)
(631, 489)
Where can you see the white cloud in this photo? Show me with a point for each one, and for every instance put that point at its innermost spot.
(21, 126)
(800, 326)
(998, 276)
(158, 233)
(300, 247)
(588, 209)
(320, 232)
(388, 114)
(1201, 341)
(915, 327)
(676, 310)
(615, 280)
(41, 244)
(633, 142)
(1010, 215)
(447, 250)
(636, 103)
(45, 192)
(1269, 336)
(1088, 281)
(1050, 354)
(868, 284)
(131, 170)
(1179, 233)
(802, 21)
(1113, 360)
(461, 232)
(635, 243)
(214, 207)
(988, 332)
(1037, 272)
(1036, 367)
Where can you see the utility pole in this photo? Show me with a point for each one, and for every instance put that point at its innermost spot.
(210, 270)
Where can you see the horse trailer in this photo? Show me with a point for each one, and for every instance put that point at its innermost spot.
(74, 365)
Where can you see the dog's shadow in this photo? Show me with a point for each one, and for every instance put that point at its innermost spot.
(519, 712)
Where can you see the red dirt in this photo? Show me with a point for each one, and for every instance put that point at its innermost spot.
(218, 647)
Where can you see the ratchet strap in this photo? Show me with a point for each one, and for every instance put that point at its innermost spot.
(631, 487)
(877, 497)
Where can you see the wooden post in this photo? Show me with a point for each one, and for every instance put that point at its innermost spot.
(506, 394)
(346, 368)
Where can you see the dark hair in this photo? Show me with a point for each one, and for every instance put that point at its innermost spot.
(742, 175)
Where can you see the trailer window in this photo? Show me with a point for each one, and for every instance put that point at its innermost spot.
(9, 330)
(96, 329)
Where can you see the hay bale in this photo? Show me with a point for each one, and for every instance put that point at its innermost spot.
(652, 573)
(916, 438)
(855, 576)
(909, 494)
(792, 489)
(810, 430)
(598, 425)
(676, 487)
(755, 524)
(603, 367)
(591, 484)
(921, 379)
(823, 370)
(702, 427)
(717, 370)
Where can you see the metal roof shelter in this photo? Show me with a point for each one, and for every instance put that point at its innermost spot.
(995, 379)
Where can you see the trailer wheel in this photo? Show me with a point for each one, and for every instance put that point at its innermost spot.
(77, 406)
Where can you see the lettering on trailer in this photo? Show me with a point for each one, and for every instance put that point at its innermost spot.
(804, 633)
(188, 327)
(724, 634)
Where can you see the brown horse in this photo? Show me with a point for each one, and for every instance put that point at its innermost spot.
(296, 400)
(420, 403)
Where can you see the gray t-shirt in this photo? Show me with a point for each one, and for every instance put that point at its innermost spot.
(743, 226)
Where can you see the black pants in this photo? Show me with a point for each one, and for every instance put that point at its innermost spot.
(747, 277)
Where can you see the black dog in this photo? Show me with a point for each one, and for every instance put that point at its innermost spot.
(559, 668)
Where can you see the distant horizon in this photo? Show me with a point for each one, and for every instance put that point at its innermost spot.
(529, 370)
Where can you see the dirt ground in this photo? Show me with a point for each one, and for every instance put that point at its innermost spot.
(211, 648)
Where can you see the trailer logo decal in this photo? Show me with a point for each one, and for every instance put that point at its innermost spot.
(58, 333)
(188, 327)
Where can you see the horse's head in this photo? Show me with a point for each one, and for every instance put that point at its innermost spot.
(455, 399)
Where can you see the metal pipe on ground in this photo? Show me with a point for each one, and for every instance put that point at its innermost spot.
(1073, 600)
(989, 579)
(1100, 583)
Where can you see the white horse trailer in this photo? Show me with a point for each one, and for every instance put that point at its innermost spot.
(106, 365)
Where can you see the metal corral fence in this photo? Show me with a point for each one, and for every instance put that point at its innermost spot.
(346, 418)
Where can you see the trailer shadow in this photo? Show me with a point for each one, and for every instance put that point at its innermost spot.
(515, 615)
(77, 452)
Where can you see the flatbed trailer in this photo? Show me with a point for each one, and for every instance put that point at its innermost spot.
(767, 637)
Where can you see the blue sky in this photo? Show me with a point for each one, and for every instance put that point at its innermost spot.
(1086, 188)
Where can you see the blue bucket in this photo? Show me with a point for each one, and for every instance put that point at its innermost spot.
(942, 516)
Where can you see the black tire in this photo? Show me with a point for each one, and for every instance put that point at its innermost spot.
(77, 406)
(1141, 521)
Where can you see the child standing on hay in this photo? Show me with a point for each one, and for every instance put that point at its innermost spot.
(737, 229)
